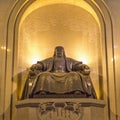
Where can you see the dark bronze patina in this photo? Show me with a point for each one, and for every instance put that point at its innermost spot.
(59, 76)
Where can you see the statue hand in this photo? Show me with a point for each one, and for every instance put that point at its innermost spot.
(36, 67)
(31, 73)
(84, 69)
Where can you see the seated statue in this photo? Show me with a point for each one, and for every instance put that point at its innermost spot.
(59, 75)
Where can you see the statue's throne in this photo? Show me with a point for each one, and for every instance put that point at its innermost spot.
(61, 90)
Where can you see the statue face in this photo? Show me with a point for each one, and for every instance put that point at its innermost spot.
(59, 52)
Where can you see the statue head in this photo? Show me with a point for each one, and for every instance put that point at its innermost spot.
(59, 52)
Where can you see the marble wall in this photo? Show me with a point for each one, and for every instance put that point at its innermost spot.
(110, 44)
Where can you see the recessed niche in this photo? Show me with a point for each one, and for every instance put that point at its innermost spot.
(60, 24)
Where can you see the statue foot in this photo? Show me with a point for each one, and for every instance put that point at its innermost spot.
(77, 92)
(42, 93)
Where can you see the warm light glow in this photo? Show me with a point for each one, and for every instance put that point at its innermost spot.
(30, 84)
(114, 58)
(81, 55)
(84, 60)
(34, 60)
(40, 3)
(33, 57)
(3, 47)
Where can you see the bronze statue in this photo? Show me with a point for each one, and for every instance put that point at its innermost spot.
(59, 75)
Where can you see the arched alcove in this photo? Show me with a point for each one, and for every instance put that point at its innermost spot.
(54, 25)
(102, 19)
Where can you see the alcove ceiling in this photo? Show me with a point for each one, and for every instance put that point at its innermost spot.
(58, 24)
(40, 3)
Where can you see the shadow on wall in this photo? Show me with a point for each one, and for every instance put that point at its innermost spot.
(21, 80)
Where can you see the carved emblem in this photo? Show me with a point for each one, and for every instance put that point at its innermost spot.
(60, 111)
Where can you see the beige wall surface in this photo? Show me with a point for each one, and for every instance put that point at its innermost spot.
(5, 7)
(114, 8)
(6, 57)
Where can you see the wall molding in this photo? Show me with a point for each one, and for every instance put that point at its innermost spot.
(16, 12)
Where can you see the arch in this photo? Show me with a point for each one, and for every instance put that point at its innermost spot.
(102, 16)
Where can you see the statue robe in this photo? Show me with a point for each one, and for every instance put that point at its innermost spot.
(66, 81)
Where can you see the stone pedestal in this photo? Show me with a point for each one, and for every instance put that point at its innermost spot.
(60, 109)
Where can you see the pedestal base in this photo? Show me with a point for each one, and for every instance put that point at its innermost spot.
(60, 109)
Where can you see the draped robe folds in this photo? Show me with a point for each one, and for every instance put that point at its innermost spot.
(67, 80)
